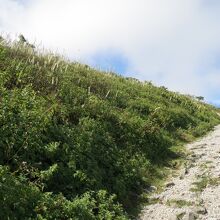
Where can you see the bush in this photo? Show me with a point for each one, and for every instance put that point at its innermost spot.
(82, 144)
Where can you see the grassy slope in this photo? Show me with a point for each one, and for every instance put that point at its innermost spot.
(72, 137)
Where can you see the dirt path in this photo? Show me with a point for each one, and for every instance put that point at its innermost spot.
(195, 193)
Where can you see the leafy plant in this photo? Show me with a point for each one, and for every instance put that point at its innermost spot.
(77, 143)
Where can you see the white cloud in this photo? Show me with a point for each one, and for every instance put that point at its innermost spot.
(167, 41)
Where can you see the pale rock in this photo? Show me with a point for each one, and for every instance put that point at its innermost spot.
(189, 216)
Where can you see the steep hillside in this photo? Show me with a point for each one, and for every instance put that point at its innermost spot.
(77, 143)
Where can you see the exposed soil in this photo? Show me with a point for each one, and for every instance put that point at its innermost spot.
(195, 193)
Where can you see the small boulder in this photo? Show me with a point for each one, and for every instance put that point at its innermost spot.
(201, 210)
(151, 189)
(170, 184)
(190, 216)
(186, 170)
(173, 217)
(180, 214)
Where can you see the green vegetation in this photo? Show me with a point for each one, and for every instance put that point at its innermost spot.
(205, 180)
(179, 203)
(77, 143)
(208, 164)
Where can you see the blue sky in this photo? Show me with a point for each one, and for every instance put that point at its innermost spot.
(110, 61)
(169, 42)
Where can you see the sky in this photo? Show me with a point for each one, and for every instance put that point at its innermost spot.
(171, 43)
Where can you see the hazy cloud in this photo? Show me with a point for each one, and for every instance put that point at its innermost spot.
(173, 43)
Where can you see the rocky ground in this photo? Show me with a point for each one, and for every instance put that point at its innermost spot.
(195, 193)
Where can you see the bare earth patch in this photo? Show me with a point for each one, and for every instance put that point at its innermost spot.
(195, 193)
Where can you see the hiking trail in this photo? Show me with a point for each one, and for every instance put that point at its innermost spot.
(195, 193)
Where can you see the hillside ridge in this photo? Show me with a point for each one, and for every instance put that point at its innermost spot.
(84, 144)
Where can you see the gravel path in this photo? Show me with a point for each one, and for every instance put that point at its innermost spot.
(195, 193)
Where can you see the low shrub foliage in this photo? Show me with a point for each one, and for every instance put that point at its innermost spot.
(77, 143)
